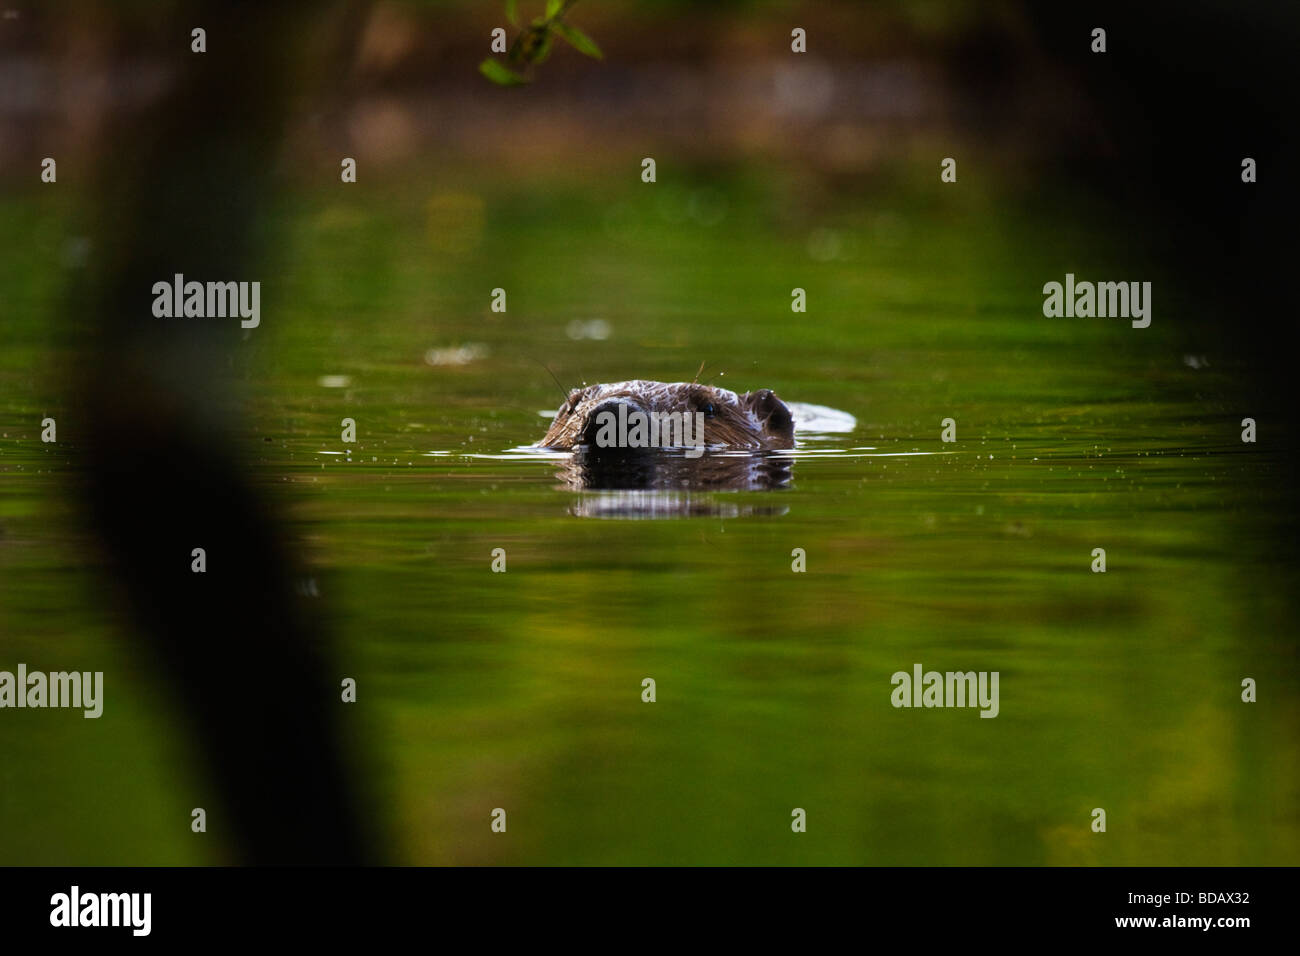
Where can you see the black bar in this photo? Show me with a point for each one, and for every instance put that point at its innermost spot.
(927, 905)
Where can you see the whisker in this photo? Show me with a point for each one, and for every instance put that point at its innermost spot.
(564, 393)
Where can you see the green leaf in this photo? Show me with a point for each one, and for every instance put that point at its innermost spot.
(580, 41)
(553, 7)
(499, 74)
(512, 12)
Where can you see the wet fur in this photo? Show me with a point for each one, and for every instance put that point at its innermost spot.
(754, 420)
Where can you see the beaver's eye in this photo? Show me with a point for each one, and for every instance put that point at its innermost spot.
(708, 409)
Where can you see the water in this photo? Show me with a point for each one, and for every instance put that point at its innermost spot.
(522, 689)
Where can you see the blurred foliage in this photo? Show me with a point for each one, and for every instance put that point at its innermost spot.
(532, 46)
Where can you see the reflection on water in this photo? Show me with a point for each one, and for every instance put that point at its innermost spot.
(671, 470)
(635, 504)
(667, 484)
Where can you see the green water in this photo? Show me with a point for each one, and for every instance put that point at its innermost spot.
(522, 690)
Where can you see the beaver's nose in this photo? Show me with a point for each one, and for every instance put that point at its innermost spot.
(607, 424)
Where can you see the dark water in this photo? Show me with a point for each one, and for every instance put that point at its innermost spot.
(522, 689)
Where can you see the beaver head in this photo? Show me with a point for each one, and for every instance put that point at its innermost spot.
(755, 420)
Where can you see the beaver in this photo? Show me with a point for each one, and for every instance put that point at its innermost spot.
(604, 418)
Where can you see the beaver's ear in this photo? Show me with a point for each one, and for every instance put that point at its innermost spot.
(770, 409)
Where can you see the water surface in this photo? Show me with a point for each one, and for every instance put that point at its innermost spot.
(522, 689)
